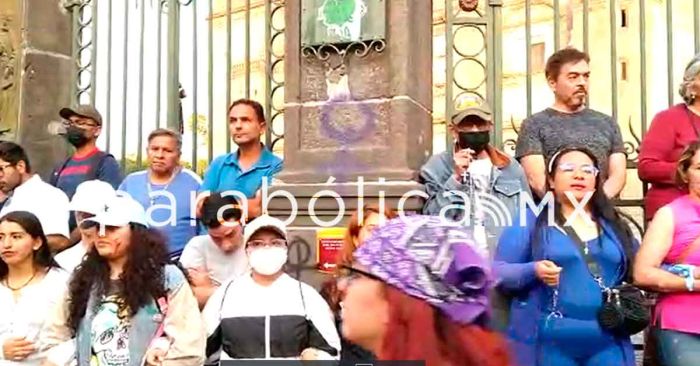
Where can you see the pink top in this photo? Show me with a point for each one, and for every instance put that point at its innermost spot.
(679, 311)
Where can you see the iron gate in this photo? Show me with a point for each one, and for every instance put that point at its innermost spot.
(209, 52)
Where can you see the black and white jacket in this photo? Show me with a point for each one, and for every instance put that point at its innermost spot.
(245, 320)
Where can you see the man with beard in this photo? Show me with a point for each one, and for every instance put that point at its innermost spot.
(218, 256)
(83, 127)
(570, 123)
(165, 190)
(243, 170)
(27, 192)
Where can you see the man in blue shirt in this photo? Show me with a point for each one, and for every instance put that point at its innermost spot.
(166, 190)
(244, 170)
(83, 126)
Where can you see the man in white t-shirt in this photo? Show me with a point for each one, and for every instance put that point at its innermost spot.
(29, 193)
(89, 199)
(213, 258)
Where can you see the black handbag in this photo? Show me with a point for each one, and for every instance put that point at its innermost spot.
(625, 309)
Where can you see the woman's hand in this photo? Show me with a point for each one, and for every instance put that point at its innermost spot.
(309, 354)
(548, 272)
(155, 356)
(17, 349)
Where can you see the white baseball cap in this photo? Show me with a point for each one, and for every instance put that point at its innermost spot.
(264, 222)
(120, 210)
(91, 196)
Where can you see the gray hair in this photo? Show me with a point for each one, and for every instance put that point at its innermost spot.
(691, 71)
(167, 132)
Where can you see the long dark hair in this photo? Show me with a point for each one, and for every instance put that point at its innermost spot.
(42, 257)
(141, 282)
(601, 208)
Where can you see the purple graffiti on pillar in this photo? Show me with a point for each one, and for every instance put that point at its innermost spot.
(344, 164)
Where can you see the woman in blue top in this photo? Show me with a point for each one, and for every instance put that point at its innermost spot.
(555, 299)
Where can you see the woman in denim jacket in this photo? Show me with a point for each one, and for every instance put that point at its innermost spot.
(126, 305)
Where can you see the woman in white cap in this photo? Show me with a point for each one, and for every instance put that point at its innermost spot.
(90, 198)
(30, 282)
(126, 304)
(267, 314)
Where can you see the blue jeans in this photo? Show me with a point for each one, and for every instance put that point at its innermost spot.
(678, 348)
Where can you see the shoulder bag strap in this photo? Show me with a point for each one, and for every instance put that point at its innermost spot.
(591, 263)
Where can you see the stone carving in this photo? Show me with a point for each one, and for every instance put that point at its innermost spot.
(468, 5)
(8, 90)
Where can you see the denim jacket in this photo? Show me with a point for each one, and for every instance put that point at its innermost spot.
(508, 182)
(184, 334)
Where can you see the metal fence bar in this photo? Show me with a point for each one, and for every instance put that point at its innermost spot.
(93, 54)
(139, 141)
(557, 26)
(159, 46)
(528, 58)
(247, 49)
(696, 24)
(195, 116)
(173, 84)
(643, 62)
(268, 69)
(585, 25)
(613, 58)
(108, 120)
(449, 72)
(497, 42)
(75, 54)
(210, 114)
(125, 82)
(669, 49)
(228, 67)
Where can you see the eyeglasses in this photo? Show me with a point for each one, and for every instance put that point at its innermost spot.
(586, 169)
(277, 243)
(3, 167)
(349, 274)
(81, 124)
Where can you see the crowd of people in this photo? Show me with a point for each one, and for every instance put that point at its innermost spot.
(162, 267)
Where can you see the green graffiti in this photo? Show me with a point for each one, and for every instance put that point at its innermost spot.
(338, 12)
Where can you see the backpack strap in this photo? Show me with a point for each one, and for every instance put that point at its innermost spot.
(98, 163)
(57, 172)
(303, 302)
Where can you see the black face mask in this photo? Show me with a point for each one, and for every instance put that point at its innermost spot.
(76, 136)
(476, 141)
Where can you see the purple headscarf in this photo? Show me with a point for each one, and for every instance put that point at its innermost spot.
(432, 260)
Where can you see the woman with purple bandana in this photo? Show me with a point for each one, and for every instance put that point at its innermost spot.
(418, 290)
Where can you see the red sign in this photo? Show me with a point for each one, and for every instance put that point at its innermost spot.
(330, 243)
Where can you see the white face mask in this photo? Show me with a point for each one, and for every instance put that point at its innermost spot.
(267, 260)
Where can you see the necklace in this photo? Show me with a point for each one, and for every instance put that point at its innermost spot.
(151, 197)
(7, 283)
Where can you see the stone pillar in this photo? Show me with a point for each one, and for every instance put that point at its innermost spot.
(35, 76)
(381, 132)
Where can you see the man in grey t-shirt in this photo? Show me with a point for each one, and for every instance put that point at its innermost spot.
(569, 123)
